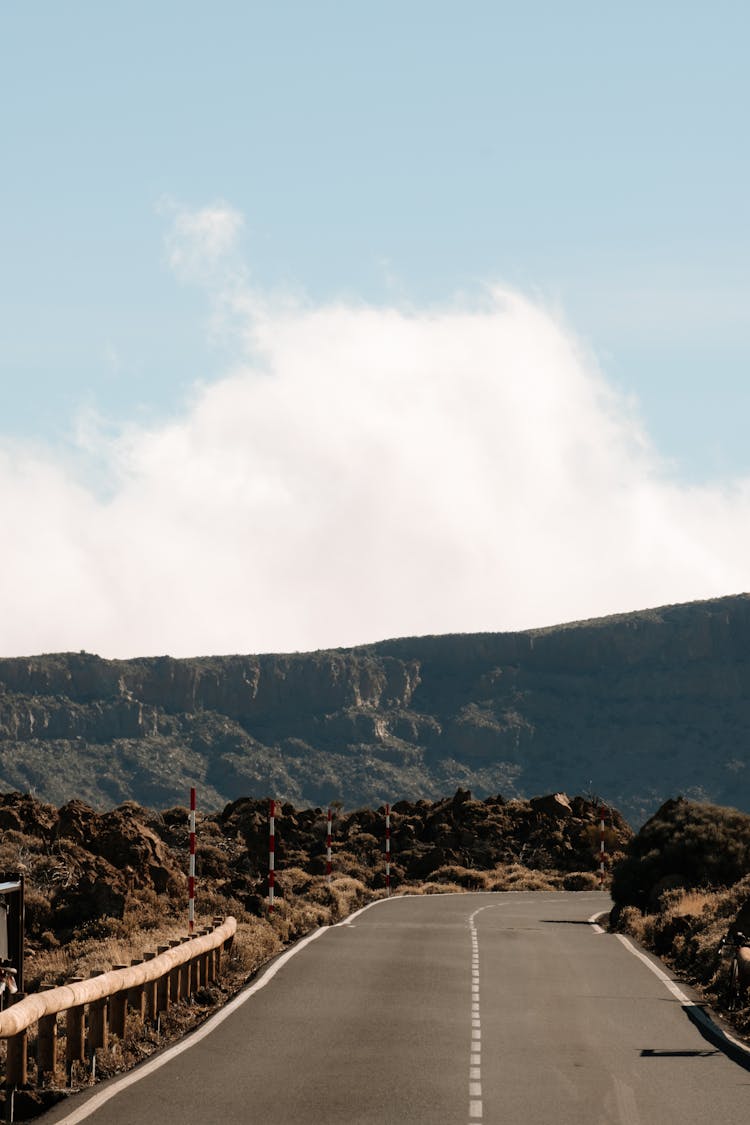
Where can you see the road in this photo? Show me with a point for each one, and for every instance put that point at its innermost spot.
(446, 1010)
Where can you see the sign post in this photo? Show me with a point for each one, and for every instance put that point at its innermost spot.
(191, 869)
(388, 850)
(12, 924)
(602, 851)
(271, 853)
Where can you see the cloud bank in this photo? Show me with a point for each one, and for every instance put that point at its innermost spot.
(360, 473)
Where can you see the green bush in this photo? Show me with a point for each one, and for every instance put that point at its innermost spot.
(685, 843)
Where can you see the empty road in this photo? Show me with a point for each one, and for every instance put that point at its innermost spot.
(446, 1010)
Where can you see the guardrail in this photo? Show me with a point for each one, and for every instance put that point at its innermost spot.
(99, 1005)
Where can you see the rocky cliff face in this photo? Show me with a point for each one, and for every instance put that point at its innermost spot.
(637, 707)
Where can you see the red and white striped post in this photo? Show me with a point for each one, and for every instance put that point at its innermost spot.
(388, 849)
(328, 847)
(191, 871)
(602, 853)
(271, 852)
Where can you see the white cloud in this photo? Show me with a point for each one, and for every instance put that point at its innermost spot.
(377, 472)
(201, 241)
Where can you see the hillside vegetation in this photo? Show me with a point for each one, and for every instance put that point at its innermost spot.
(87, 871)
(683, 884)
(635, 707)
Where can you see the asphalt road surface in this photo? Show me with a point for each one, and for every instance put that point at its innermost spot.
(445, 1010)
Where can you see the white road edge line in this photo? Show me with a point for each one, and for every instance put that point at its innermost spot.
(696, 1011)
(593, 921)
(103, 1096)
(673, 988)
(376, 902)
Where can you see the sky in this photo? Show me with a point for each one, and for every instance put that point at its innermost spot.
(327, 323)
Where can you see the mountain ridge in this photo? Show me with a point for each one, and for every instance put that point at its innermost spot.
(636, 706)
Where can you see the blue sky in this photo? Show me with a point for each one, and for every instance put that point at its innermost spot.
(588, 158)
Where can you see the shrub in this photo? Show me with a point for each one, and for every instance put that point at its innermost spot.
(39, 913)
(685, 843)
(434, 889)
(465, 877)
(516, 877)
(580, 881)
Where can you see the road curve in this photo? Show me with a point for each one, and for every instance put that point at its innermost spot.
(445, 1010)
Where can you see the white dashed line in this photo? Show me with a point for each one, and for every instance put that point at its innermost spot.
(475, 1057)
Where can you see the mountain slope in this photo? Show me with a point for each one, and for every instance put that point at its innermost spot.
(637, 707)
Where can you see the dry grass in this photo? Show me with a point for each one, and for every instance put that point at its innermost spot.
(581, 881)
(254, 944)
(467, 878)
(506, 877)
(516, 877)
(431, 889)
(308, 902)
(88, 956)
(693, 902)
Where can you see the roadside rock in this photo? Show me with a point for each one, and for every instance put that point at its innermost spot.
(557, 805)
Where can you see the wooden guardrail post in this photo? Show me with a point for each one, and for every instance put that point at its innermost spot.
(217, 953)
(17, 1063)
(98, 1024)
(162, 990)
(185, 972)
(98, 1021)
(195, 969)
(118, 1009)
(75, 1035)
(203, 961)
(210, 967)
(17, 1060)
(136, 997)
(46, 1049)
(149, 993)
(175, 984)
